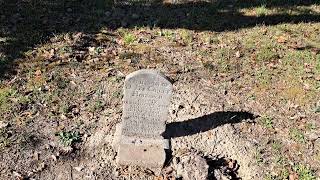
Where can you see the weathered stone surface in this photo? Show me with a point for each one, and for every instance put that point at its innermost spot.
(146, 102)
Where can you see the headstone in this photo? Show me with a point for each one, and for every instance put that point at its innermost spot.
(146, 103)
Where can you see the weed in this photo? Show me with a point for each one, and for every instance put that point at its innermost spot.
(284, 174)
(258, 156)
(304, 172)
(64, 108)
(208, 65)
(116, 79)
(261, 10)
(117, 94)
(128, 38)
(210, 39)
(276, 145)
(167, 34)
(267, 121)
(62, 83)
(65, 49)
(5, 94)
(97, 106)
(186, 36)
(311, 126)
(69, 138)
(5, 140)
(297, 135)
(280, 160)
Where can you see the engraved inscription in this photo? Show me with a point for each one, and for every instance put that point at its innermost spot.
(146, 101)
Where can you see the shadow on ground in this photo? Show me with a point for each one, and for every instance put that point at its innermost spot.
(27, 23)
(205, 123)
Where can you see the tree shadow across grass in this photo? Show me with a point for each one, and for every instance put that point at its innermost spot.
(25, 24)
(205, 123)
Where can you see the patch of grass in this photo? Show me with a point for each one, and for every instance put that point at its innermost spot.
(167, 34)
(258, 156)
(5, 94)
(276, 145)
(263, 76)
(280, 160)
(128, 38)
(186, 37)
(62, 83)
(210, 39)
(311, 126)
(117, 94)
(64, 108)
(304, 172)
(266, 53)
(5, 140)
(267, 121)
(69, 138)
(97, 106)
(209, 66)
(297, 135)
(261, 10)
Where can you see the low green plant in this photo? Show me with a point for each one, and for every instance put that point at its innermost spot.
(304, 172)
(297, 135)
(267, 121)
(261, 10)
(186, 36)
(5, 94)
(276, 145)
(128, 38)
(69, 138)
(167, 34)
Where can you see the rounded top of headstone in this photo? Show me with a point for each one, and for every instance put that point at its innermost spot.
(147, 72)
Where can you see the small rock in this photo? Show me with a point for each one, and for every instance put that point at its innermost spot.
(191, 166)
(18, 175)
(3, 124)
(54, 158)
(238, 54)
(79, 169)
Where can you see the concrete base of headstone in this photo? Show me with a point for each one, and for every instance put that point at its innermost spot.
(145, 152)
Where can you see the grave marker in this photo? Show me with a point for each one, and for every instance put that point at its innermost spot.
(146, 103)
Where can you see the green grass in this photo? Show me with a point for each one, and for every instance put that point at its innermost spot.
(263, 76)
(5, 140)
(186, 36)
(128, 38)
(297, 135)
(276, 145)
(304, 172)
(5, 94)
(267, 53)
(261, 10)
(267, 121)
(170, 35)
